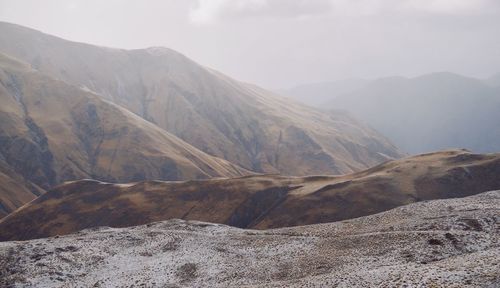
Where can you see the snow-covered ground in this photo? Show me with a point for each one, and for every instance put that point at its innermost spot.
(450, 243)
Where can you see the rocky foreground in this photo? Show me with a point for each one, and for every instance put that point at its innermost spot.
(451, 243)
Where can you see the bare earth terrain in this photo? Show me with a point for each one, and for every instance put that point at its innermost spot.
(439, 243)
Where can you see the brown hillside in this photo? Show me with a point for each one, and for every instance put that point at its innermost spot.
(51, 132)
(255, 201)
(15, 190)
(242, 123)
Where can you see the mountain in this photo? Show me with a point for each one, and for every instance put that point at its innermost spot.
(51, 132)
(494, 80)
(257, 202)
(439, 243)
(239, 122)
(322, 93)
(15, 190)
(428, 113)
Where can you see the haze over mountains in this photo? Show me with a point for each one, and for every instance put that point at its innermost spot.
(241, 123)
(321, 93)
(427, 113)
(69, 112)
(93, 136)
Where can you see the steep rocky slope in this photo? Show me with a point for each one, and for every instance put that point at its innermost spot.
(440, 243)
(236, 121)
(263, 201)
(52, 132)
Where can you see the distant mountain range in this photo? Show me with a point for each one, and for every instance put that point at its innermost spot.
(494, 80)
(427, 113)
(321, 93)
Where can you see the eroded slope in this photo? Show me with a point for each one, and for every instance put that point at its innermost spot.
(52, 132)
(242, 123)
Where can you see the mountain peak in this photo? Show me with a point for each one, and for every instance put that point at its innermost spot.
(157, 50)
(241, 123)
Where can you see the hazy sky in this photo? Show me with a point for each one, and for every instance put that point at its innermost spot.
(281, 43)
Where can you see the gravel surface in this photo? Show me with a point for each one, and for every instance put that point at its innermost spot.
(451, 243)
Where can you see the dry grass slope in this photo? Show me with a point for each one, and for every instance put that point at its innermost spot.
(15, 190)
(242, 123)
(262, 201)
(51, 132)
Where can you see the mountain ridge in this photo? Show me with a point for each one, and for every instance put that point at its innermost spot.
(51, 132)
(256, 202)
(239, 122)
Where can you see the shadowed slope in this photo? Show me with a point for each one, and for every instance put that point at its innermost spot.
(15, 190)
(51, 132)
(255, 201)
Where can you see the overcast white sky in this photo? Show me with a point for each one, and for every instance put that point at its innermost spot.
(281, 43)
